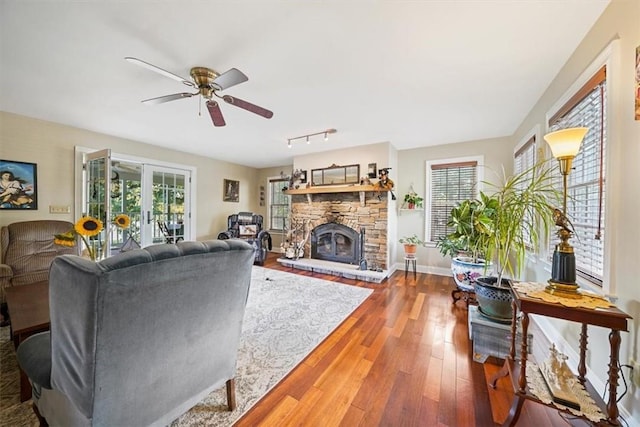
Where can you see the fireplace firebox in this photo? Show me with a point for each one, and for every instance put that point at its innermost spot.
(335, 242)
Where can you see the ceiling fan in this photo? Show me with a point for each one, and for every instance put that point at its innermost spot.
(208, 83)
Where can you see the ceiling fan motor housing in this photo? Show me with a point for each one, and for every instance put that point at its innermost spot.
(204, 78)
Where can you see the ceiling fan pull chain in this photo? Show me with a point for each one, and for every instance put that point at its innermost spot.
(200, 107)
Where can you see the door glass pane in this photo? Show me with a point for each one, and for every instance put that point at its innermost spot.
(168, 206)
(97, 188)
(126, 198)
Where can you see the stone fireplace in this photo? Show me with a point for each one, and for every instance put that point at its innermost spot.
(340, 216)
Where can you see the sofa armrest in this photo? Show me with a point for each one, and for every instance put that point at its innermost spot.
(34, 357)
(225, 235)
(6, 273)
(265, 236)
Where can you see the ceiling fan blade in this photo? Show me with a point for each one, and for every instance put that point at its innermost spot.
(159, 70)
(229, 78)
(248, 106)
(215, 113)
(167, 98)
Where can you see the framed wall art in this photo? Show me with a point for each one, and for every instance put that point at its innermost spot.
(372, 171)
(18, 185)
(231, 191)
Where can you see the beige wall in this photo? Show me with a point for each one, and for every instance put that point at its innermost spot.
(51, 147)
(621, 22)
(412, 172)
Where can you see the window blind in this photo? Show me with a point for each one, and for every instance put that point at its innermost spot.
(451, 183)
(524, 160)
(587, 179)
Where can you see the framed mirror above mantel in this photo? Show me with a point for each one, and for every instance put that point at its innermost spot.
(336, 175)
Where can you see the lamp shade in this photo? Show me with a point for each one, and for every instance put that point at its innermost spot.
(566, 142)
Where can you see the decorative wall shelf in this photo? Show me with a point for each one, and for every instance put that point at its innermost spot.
(361, 189)
(403, 210)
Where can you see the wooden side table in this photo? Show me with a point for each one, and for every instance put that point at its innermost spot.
(29, 313)
(611, 318)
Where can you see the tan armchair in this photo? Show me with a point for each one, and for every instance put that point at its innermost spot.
(28, 250)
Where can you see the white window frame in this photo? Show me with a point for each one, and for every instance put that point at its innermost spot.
(607, 58)
(428, 208)
(269, 194)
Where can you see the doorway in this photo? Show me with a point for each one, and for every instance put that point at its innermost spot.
(156, 198)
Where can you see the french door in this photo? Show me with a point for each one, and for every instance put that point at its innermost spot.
(165, 200)
(156, 198)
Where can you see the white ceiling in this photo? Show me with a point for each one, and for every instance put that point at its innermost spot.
(413, 73)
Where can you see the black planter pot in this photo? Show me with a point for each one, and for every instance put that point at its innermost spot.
(494, 300)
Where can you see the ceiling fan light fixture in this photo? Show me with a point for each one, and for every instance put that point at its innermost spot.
(207, 81)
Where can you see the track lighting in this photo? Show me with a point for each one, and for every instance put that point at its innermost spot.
(306, 137)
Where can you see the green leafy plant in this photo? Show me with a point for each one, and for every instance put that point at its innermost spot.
(412, 240)
(411, 199)
(523, 214)
(501, 227)
(472, 223)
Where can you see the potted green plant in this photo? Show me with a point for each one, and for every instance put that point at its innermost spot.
(523, 213)
(412, 200)
(471, 221)
(411, 244)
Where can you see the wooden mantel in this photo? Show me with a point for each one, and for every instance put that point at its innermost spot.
(329, 189)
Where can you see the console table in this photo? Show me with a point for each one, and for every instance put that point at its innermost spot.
(611, 318)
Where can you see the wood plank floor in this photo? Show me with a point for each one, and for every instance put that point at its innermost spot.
(403, 358)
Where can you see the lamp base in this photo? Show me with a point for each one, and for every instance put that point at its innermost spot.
(563, 290)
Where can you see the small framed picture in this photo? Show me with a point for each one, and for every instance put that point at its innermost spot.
(372, 170)
(303, 177)
(231, 191)
(18, 185)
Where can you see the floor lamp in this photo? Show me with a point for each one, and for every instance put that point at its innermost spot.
(565, 145)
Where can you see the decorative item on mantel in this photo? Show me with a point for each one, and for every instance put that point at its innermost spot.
(297, 178)
(386, 182)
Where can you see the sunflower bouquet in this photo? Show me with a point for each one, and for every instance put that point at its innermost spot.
(87, 227)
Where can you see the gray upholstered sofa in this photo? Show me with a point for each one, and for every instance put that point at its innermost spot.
(141, 337)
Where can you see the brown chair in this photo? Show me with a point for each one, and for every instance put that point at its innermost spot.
(27, 252)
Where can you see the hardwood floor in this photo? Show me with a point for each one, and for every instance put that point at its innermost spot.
(403, 358)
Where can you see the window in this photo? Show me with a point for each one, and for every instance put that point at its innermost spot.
(525, 156)
(524, 159)
(586, 181)
(278, 204)
(448, 183)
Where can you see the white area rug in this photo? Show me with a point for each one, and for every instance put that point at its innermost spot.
(287, 316)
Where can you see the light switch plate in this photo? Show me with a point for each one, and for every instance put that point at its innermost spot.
(54, 209)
